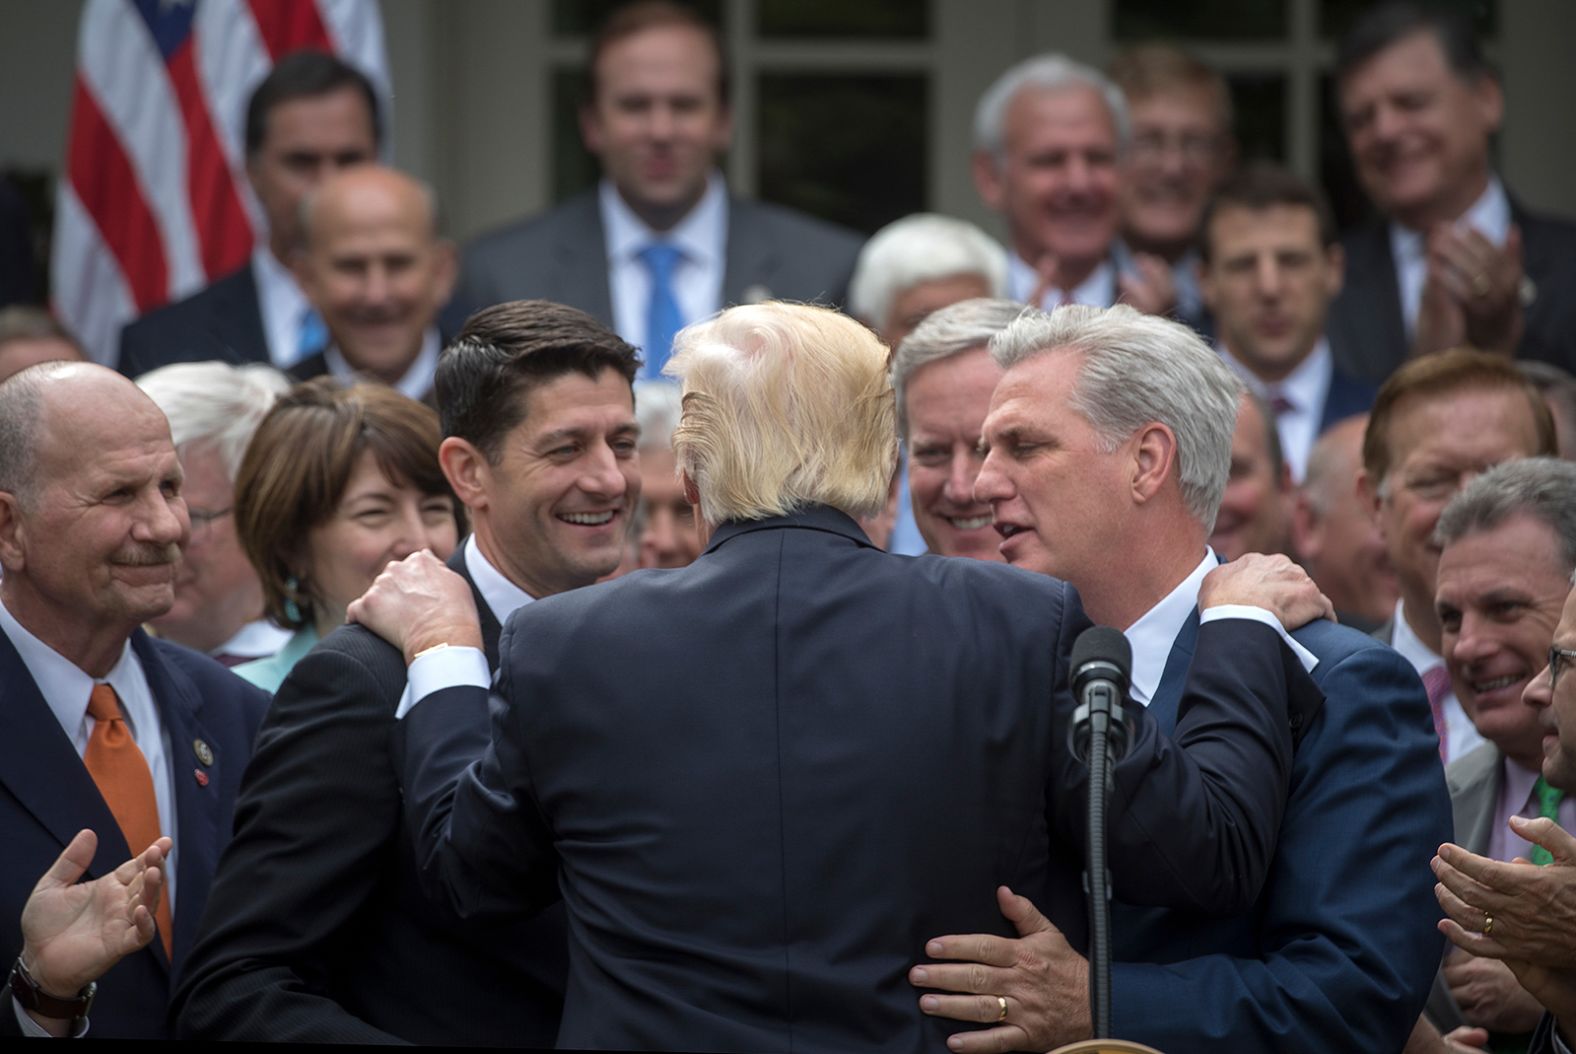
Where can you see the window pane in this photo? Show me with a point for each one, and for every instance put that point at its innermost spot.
(840, 18)
(580, 18)
(850, 149)
(1258, 101)
(1199, 19)
(1337, 16)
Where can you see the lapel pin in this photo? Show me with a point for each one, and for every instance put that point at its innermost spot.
(203, 751)
(201, 777)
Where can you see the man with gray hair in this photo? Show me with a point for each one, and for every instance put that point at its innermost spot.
(1507, 549)
(213, 409)
(667, 534)
(1109, 444)
(1050, 138)
(745, 834)
(943, 375)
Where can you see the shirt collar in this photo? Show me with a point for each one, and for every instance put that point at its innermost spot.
(415, 383)
(278, 296)
(1517, 786)
(1412, 649)
(1305, 387)
(1153, 635)
(700, 235)
(1489, 215)
(64, 686)
(255, 640)
(1098, 290)
(502, 595)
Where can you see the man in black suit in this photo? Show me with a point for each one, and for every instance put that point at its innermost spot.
(1269, 267)
(311, 116)
(374, 267)
(1453, 258)
(102, 726)
(328, 939)
(659, 242)
(727, 768)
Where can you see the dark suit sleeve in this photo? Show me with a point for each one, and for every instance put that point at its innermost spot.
(1346, 939)
(318, 812)
(482, 845)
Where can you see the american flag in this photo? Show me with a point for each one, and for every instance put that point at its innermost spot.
(153, 202)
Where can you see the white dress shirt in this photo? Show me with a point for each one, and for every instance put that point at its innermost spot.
(1098, 290)
(255, 640)
(702, 239)
(1153, 635)
(1489, 216)
(451, 667)
(1460, 734)
(281, 303)
(414, 383)
(1516, 799)
(1307, 388)
(66, 688)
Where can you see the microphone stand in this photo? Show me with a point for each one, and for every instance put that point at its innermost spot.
(1104, 710)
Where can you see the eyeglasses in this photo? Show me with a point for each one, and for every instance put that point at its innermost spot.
(202, 518)
(1556, 657)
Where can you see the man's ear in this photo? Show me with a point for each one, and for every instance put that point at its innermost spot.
(691, 492)
(466, 469)
(1368, 493)
(12, 539)
(1154, 460)
(987, 179)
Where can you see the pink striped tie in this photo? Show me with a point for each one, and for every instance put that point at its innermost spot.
(1436, 682)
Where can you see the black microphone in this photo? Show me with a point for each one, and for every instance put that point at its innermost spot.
(1102, 661)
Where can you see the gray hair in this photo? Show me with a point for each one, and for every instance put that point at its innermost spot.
(657, 408)
(1140, 369)
(21, 410)
(1541, 487)
(946, 332)
(214, 402)
(921, 247)
(1047, 73)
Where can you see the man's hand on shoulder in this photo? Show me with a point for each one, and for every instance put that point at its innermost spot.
(1273, 583)
(417, 603)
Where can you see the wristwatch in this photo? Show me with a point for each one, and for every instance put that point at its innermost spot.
(29, 996)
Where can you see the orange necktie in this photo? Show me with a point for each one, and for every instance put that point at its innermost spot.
(121, 773)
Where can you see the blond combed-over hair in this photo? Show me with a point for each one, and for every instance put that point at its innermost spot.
(784, 406)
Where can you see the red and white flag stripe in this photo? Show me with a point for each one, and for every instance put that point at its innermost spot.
(153, 201)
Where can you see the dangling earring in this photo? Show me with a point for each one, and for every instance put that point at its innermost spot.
(292, 609)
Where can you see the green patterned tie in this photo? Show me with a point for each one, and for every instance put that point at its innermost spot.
(1548, 805)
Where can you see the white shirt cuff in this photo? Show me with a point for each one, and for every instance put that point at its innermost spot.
(440, 669)
(33, 1030)
(1264, 615)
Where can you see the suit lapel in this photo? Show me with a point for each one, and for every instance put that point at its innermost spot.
(197, 810)
(41, 769)
(752, 260)
(238, 316)
(491, 629)
(581, 253)
(1168, 697)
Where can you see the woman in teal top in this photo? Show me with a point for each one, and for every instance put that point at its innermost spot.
(337, 482)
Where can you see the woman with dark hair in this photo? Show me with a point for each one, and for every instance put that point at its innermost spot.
(337, 482)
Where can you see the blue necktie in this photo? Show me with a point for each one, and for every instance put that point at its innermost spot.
(311, 335)
(663, 318)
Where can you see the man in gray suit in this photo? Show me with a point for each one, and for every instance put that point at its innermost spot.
(659, 242)
(1508, 549)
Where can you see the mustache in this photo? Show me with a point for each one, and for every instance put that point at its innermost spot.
(149, 555)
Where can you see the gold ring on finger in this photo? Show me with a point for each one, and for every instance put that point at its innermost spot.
(1488, 924)
(1001, 1001)
(1480, 284)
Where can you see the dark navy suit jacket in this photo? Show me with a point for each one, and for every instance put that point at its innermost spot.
(1340, 949)
(1347, 397)
(221, 321)
(763, 781)
(47, 796)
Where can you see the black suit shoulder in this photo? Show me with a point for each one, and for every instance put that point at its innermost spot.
(221, 321)
(315, 930)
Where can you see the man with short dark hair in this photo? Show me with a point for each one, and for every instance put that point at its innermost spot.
(102, 726)
(1453, 259)
(338, 945)
(1269, 267)
(659, 242)
(310, 117)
